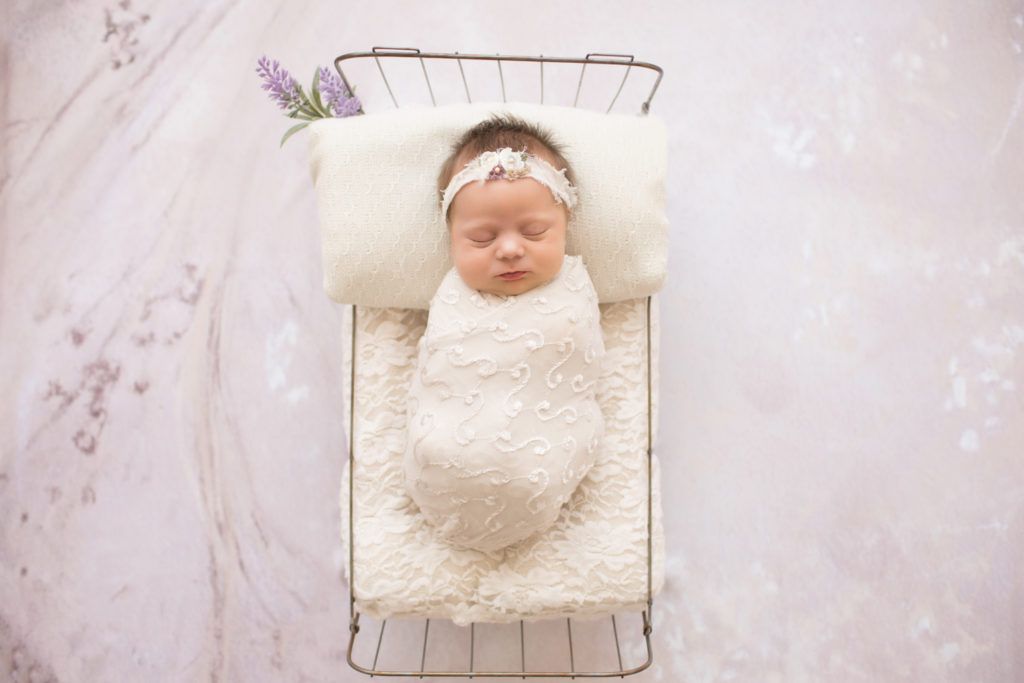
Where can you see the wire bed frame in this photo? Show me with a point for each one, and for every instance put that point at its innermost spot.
(473, 669)
(596, 59)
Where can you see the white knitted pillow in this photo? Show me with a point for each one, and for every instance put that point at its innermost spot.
(385, 245)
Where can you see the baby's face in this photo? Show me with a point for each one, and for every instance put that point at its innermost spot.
(508, 236)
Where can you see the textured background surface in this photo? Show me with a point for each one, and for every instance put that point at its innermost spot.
(842, 424)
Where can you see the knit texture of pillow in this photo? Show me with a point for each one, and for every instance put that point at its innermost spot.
(385, 244)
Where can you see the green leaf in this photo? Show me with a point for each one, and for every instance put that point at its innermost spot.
(292, 131)
(313, 110)
(315, 91)
(305, 112)
(308, 108)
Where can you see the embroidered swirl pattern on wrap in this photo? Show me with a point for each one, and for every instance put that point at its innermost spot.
(503, 417)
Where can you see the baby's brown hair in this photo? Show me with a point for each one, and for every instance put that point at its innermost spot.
(503, 130)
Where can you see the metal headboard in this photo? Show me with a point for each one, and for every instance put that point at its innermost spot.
(605, 62)
(594, 58)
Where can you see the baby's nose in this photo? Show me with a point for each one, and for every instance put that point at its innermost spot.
(509, 246)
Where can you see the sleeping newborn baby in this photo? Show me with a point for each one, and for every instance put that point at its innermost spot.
(503, 420)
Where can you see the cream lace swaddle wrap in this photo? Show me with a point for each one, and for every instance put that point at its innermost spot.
(503, 420)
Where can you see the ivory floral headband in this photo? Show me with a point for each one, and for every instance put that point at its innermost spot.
(505, 164)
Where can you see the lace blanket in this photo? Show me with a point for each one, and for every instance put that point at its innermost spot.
(503, 421)
(593, 560)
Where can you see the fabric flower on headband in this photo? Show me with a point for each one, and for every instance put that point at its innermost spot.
(504, 163)
(328, 97)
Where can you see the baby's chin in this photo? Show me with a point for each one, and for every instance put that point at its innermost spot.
(510, 287)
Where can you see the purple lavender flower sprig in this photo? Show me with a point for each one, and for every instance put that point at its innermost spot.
(279, 84)
(328, 97)
(338, 97)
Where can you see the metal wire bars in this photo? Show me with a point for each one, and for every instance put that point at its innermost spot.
(625, 62)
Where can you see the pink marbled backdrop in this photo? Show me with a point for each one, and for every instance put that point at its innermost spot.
(843, 331)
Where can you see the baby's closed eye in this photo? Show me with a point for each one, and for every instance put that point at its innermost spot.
(480, 236)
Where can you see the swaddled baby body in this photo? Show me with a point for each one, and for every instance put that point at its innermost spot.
(503, 420)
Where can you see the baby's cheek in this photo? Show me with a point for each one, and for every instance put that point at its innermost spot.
(553, 261)
(472, 267)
